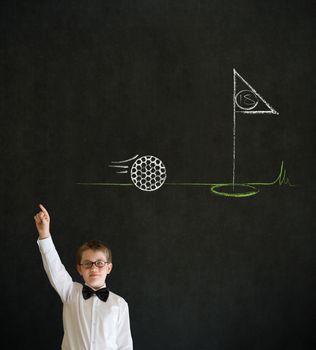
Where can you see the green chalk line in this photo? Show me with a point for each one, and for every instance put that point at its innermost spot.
(280, 180)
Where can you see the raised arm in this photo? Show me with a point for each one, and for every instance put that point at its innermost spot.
(55, 270)
(42, 221)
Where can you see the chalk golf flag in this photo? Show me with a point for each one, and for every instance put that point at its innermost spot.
(246, 100)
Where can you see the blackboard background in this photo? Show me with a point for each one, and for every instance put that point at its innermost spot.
(87, 82)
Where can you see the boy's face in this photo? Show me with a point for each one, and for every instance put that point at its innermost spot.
(94, 276)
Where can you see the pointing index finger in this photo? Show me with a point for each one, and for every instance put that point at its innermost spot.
(43, 209)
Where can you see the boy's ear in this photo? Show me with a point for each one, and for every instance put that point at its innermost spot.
(110, 267)
(79, 270)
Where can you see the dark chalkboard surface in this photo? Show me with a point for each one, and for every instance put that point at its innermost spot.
(220, 254)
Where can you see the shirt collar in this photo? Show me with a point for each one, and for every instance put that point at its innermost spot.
(104, 285)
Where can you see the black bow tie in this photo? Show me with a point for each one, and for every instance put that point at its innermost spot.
(102, 293)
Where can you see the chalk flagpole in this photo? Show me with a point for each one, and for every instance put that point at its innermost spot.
(234, 129)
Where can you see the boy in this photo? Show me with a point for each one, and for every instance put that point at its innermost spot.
(93, 317)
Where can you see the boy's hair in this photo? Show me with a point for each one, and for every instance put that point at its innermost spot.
(94, 245)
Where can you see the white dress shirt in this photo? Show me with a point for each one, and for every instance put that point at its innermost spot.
(90, 324)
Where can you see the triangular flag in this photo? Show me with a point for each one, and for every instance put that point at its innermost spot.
(247, 100)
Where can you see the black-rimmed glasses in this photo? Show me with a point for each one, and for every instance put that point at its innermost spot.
(87, 264)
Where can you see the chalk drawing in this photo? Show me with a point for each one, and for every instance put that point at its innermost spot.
(246, 98)
(118, 164)
(148, 173)
(246, 101)
(222, 189)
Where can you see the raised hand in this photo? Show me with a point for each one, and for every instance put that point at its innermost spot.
(42, 221)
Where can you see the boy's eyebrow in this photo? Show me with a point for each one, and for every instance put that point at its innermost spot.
(93, 260)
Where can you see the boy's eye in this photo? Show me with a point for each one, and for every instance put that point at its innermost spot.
(87, 264)
(100, 263)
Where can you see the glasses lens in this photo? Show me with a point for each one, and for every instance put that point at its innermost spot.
(99, 263)
(87, 264)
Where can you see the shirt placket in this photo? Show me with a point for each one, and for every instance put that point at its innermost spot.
(93, 339)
